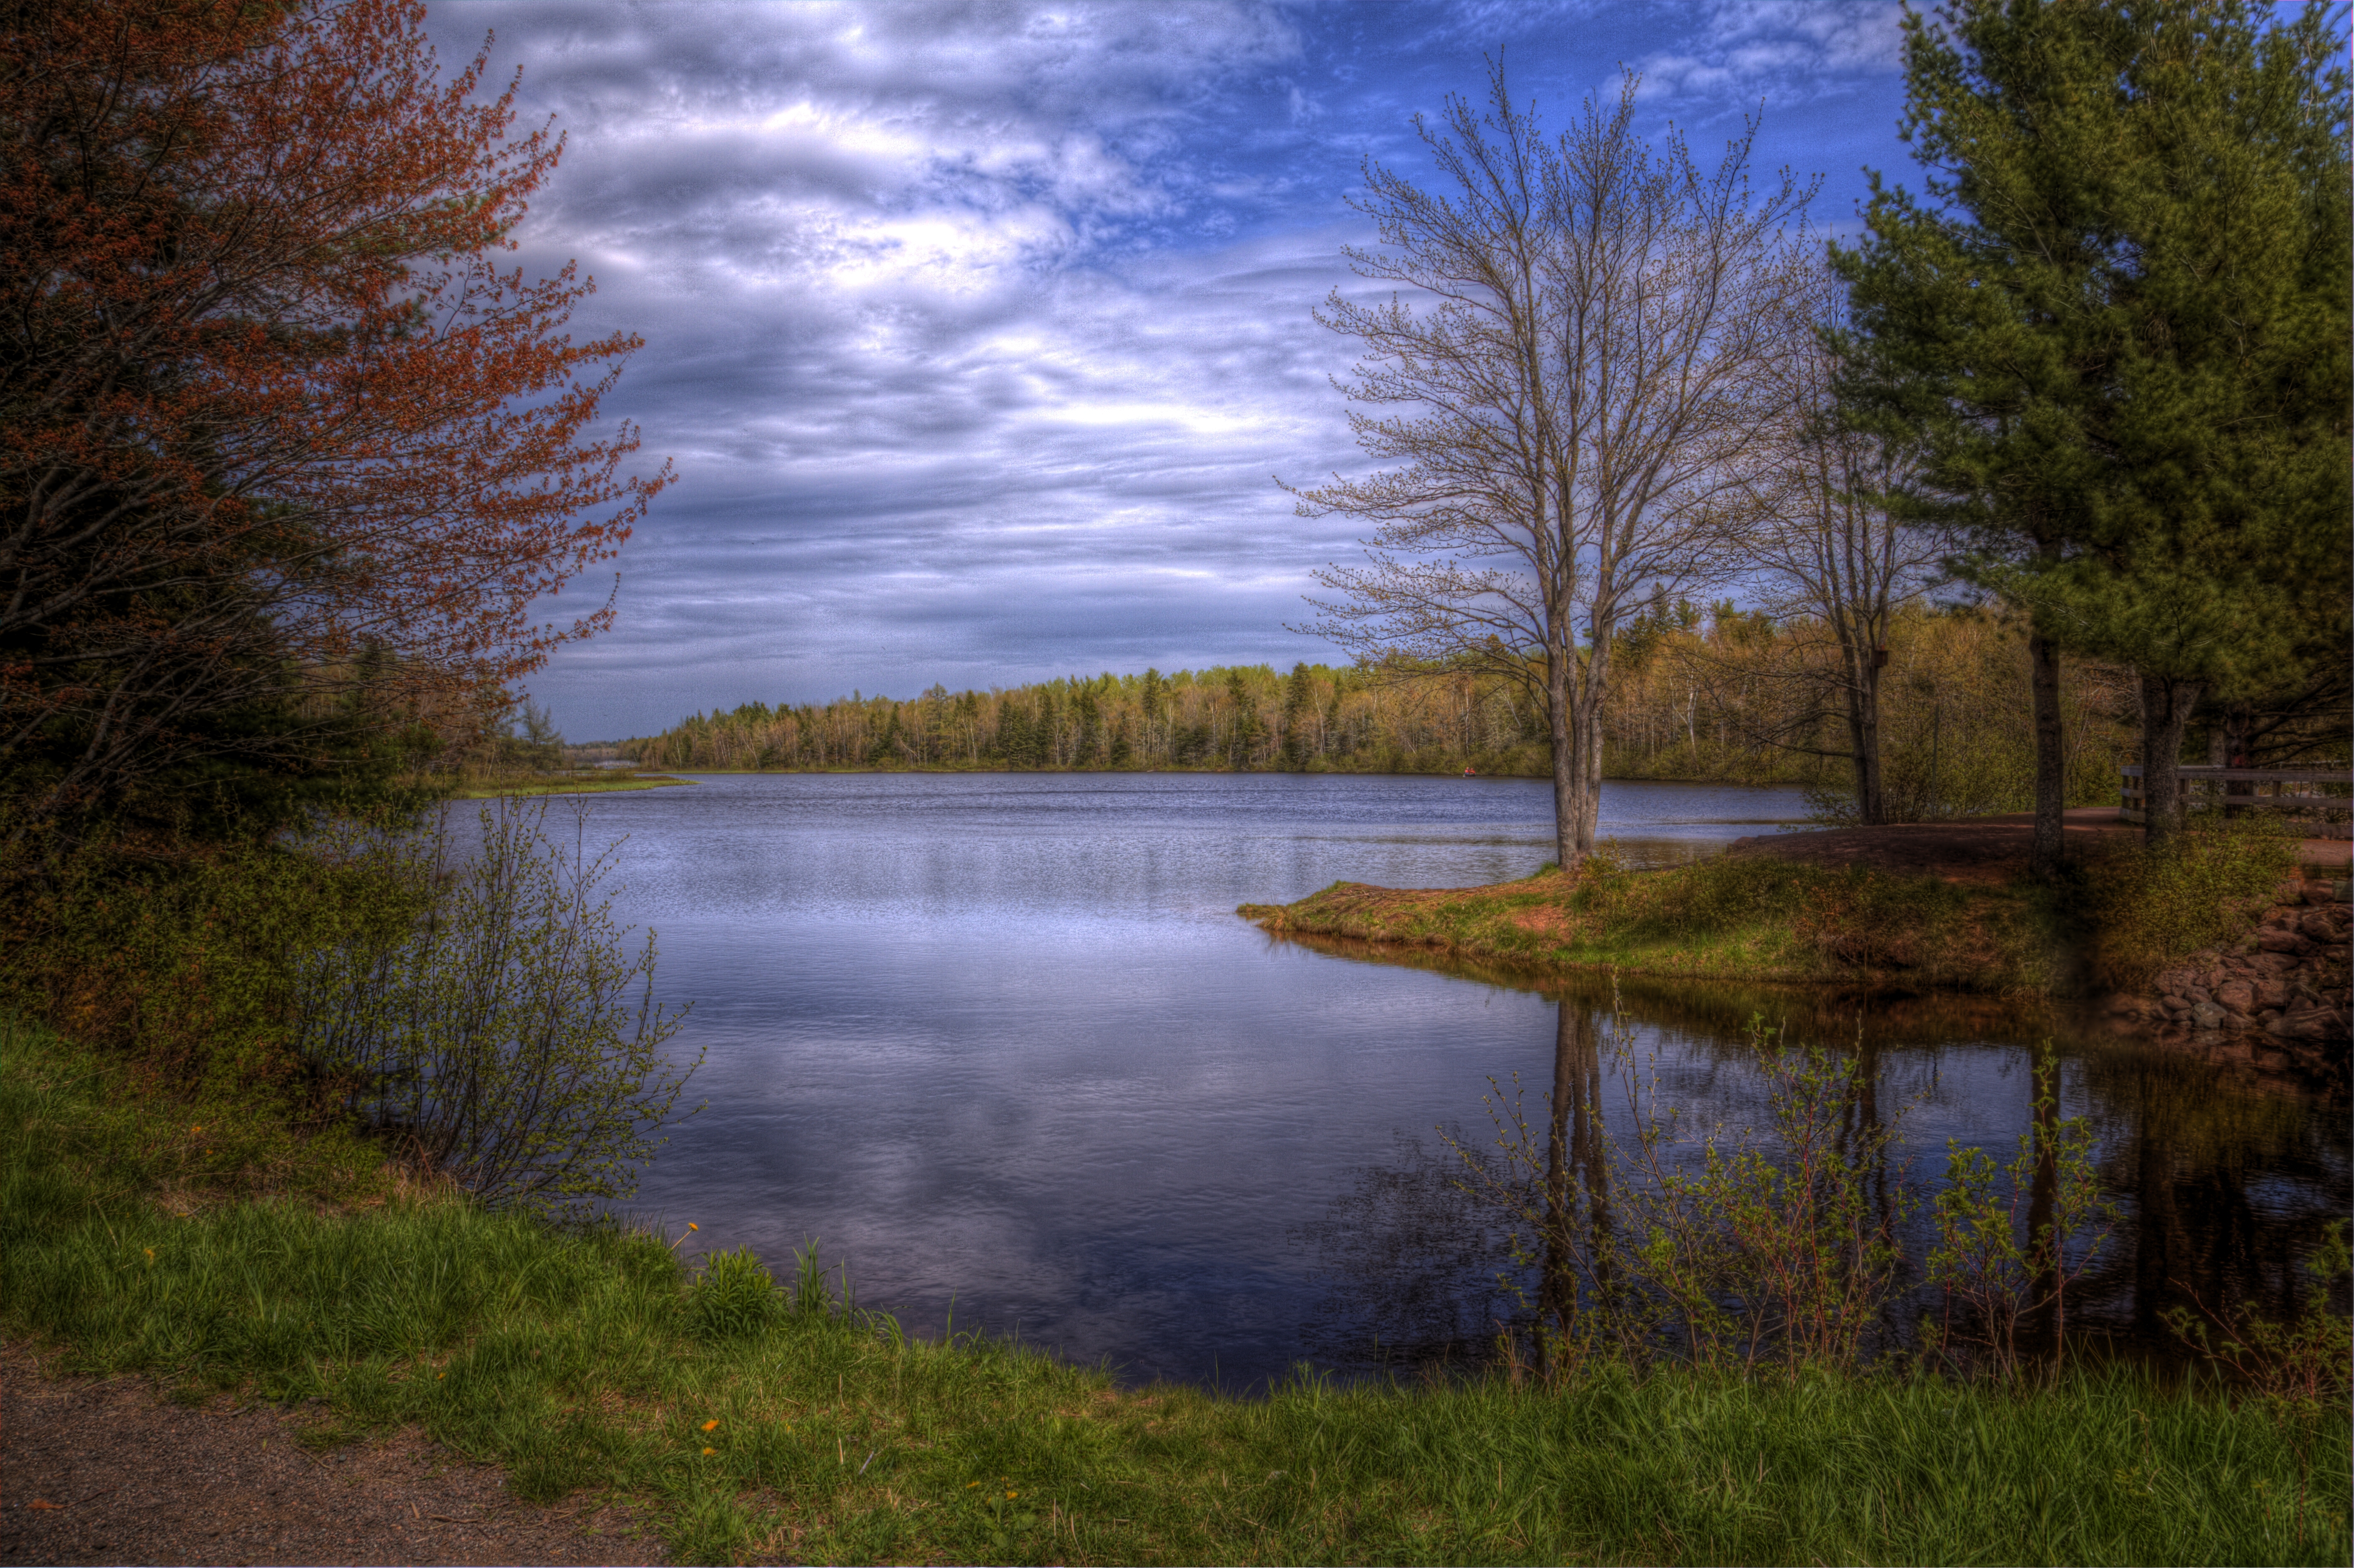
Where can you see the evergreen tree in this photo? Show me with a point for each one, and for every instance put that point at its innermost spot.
(1296, 698)
(2119, 324)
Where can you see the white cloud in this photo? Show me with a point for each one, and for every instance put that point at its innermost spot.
(977, 331)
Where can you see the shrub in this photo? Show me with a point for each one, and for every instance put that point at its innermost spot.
(498, 1028)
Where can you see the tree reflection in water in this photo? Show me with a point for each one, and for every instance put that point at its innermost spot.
(2221, 1185)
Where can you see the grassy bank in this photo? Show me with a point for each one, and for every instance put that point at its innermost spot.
(1765, 919)
(541, 784)
(227, 1256)
(1757, 920)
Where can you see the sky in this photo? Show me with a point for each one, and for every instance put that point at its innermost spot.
(979, 333)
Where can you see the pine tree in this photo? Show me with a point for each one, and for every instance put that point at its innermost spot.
(2119, 322)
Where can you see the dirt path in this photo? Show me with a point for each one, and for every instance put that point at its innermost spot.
(98, 1470)
(1976, 850)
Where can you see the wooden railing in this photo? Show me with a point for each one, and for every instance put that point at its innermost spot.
(2236, 790)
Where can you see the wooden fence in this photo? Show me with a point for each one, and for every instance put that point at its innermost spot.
(2234, 791)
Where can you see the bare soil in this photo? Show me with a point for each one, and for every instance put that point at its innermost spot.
(102, 1470)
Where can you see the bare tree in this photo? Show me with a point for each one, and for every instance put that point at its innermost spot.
(1558, 405)
(1831, 555)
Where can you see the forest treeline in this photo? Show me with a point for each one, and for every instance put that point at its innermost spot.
(1723, 695)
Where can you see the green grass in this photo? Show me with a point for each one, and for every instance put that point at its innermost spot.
(588, 786)
(2110, 923)
(792, 1427)
(1757, 918)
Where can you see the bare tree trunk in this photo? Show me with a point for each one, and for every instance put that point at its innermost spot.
(2048, 847)
(1565, 774)
(2165, 713)
(1864, 733)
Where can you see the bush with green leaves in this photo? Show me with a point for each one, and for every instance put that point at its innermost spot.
(502, 1027)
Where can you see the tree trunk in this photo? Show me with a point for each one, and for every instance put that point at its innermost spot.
(1864, 733)
(2238, 721)
(1589, 801)
(2048, 845)
(2165, 713)
(1566, 761)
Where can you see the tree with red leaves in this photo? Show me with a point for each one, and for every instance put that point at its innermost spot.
(284, 453)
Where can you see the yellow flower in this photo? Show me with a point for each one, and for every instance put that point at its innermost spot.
(693, 1226)
(708, 1451)
(711, 1425)
(1011, 1496)
(970, 1485)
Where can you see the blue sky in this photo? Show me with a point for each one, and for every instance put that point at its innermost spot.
(977, 332)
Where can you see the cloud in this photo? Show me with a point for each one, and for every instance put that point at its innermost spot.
(1782, 51)
(977, 332)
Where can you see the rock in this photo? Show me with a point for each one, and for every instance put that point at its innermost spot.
(2289, 892)
(2322, 893)
(2311, 1023)
(2275, 940)
(2272, 993)
(2173, 982)
(2197, 994)
(2238, 996)
(2207, 1015)
(2272, 963)
(2238, 1022)
(2318, 926)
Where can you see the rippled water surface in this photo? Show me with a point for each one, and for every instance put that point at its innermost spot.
(1001, 1044)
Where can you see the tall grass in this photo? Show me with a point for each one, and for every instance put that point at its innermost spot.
(760, 1422)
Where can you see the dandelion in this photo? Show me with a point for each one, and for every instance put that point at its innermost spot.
(708, 1451)
(693, 1226)
(439, 1376)
(711, 1425)
(970, 1485)
(151, 1255)
(1011, 1496)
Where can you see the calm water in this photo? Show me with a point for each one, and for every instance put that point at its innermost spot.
(1001, 1044)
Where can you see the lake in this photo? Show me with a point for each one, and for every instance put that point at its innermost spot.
(1000, 1043)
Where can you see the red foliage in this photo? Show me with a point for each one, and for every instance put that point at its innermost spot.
(267, 401)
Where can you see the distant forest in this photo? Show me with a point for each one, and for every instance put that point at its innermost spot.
(1721, 695)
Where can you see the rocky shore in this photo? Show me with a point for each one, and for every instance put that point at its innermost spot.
(2279, 996)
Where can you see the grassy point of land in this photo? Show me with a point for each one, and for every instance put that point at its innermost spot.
(587, 786)
(1738, 919)
(1780, 918)
(759, 1423)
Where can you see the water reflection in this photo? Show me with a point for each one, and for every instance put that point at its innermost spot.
(2217, 1188)
(1000, 1045)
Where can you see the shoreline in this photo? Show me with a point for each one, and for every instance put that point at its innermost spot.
(2235, 951)
(733, 1415)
